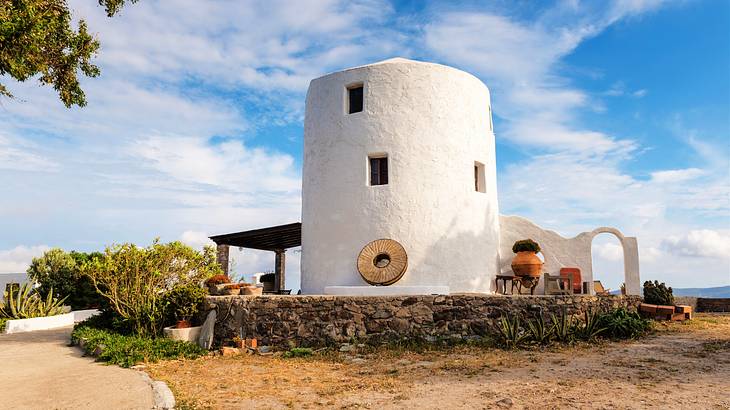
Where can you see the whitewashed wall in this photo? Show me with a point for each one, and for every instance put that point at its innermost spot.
(566, 252)
(433, 122)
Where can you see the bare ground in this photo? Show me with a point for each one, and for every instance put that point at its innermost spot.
(681, 366)
(38, 370)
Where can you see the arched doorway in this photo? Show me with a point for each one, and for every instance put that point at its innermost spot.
(629, 253)
(607, 261)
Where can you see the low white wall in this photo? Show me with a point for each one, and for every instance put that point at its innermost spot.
(81, 315)
(39, 323)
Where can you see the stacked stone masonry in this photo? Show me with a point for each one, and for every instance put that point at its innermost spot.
(324, 320)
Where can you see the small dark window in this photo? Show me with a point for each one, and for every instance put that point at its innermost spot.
(355, 99)
(479, 182)
(379, 171)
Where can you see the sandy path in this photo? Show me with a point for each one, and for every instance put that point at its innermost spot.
(39, 371)
(682, 367)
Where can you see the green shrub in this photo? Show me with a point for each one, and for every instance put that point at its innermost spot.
(622, 324)
(298, 352)
(128, 350)
(26, 303)
(658, 293)
(182, 302)
(134, 280)
(526, 245)
(3, 321)
(61, 271)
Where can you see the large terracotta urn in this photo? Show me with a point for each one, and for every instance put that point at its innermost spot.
(526, 263)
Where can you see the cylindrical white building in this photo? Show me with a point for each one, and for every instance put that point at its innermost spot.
(402, 150)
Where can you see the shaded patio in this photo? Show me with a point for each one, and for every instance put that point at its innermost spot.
(276, 239)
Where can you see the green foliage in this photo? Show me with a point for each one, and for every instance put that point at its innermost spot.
(526, 245)
(26, 303)
(622, 324)
(511, 335)
(37, 40)
(128, 350)
(61, 271)
(590, 328)
(134, 280)
(539, 331)
(182, 302)
(563, 327)
(3, 321)
(658, 293)
(298, 352)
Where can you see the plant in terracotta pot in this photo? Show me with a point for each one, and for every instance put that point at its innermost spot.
(216, 283)
(182, 302)
(233, 288)
(526, 262)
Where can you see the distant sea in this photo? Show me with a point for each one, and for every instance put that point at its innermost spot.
(718, 292)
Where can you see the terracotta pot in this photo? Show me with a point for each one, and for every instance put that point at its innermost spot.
(231, 292)
(252, 291)
(527, 264)
(183, 324)
(216, 289)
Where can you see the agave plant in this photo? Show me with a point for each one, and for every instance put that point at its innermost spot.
(540, 331)
(511, 335)
(28, 304)
(590, 328)
(563, 327)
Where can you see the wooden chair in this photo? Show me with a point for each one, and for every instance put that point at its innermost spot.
(558, 285)
(599, 289)
(575, 274)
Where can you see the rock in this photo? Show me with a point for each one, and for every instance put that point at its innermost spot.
(505, 403)
(264, 349)
(346, 347)
(358, 360)
(230, 351)
(206, 333)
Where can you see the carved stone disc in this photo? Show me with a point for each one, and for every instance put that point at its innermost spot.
(382, 262)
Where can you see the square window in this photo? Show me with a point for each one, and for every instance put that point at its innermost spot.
(378, 170)
(479, 184)
(355, 98)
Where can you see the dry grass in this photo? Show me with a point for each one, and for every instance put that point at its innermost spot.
(687, 363)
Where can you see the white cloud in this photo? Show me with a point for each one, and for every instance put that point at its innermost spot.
(196, 239)
(17, 259)
(701, 243)
(21, 155)
(676, 175)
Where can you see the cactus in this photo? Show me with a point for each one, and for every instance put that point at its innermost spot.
(28, 304)
(658, 293)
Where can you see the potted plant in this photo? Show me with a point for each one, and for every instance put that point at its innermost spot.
(526, 262)
(181, 304)
(216, 283)
(268, 281)
(232, 289)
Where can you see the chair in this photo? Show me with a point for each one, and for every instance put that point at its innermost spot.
(558, 285)
(575, 274)
(599, 289)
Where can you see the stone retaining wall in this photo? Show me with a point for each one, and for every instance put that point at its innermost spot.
(325, 320)
(713, 304)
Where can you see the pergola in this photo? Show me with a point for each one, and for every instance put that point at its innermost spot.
(276, 239)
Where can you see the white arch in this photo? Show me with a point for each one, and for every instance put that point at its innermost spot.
(560, 251)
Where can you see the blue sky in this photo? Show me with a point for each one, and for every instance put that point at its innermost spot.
(606, 113)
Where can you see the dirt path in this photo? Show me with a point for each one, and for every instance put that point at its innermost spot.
(39, 371)
(682, 367)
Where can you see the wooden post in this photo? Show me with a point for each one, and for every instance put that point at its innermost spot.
(222, 257)
(280, 270)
